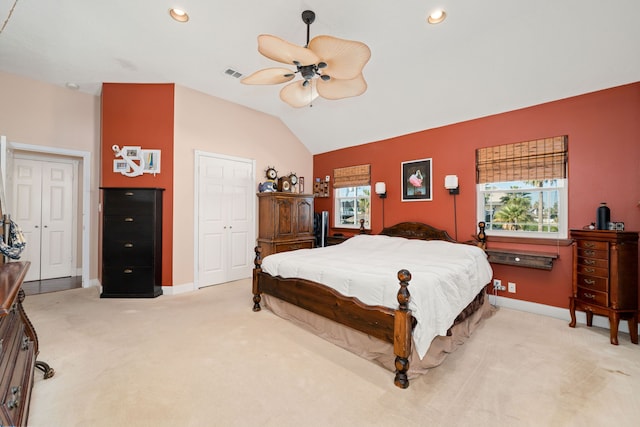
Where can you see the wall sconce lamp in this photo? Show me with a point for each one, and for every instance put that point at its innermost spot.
(451, 184)
(381, 191)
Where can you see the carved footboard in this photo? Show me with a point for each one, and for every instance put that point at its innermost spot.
(393, 326)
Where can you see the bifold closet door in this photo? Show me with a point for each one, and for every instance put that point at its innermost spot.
(225, 220)
(42, 206)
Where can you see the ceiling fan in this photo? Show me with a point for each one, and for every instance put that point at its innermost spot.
(330, 67)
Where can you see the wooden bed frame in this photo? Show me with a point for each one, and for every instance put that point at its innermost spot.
(391, 325)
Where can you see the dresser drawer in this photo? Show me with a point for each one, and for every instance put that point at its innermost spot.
(593, 297)
(588, 270)
(123, 251)
(16, 396)
(7, 327)
(593, 253)
(593, 282)
(593, 262)
(593, 244)
(292, 246)
(127, 279)
(132, 226)
(128, 200)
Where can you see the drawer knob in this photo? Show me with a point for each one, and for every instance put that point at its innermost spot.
(589, 281)
(129, 193)
(128, 245)
(128, 219)
(128, 270)
(15, 401)
(590, 296)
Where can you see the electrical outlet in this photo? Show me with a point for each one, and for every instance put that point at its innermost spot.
(497, 285)
(512, 287)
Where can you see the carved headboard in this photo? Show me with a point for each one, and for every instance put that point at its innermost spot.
(421, 231)
(417, 230)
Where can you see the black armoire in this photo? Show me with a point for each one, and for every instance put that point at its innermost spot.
(131, 242)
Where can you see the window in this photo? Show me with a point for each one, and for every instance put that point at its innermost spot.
(351, 205)
(352, 196)
(522, 188)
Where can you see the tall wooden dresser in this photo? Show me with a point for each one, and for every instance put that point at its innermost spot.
(131, 242)
(605, 278)
(18, 348)
(286, 222)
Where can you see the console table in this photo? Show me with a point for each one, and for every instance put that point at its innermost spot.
(18, 347)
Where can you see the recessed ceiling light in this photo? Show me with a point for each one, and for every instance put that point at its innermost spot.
(72, 86)
(179, 15)
(437, 16)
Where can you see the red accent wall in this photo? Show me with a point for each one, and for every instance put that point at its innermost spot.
(604, 166)
(141, 115)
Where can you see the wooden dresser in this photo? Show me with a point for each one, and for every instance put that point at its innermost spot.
(18, 348)
(286, 222)
(131, 242)
(605, 278)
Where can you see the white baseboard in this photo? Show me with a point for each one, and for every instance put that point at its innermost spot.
(556, 312)
(178, 289)
(92, 283)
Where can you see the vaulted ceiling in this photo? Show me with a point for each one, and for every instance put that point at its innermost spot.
(487, 57)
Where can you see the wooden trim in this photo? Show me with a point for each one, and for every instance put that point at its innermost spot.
(541, 260)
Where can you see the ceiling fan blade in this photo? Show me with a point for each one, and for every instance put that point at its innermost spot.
(345, 58)
(297, 95)
(269, 76)
(341, 88)
(282, 51)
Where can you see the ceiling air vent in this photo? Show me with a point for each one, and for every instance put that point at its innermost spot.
(233, 73)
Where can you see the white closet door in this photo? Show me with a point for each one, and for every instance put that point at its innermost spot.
(56, 254)
(225, 219)
(42, 201)
(240, 219)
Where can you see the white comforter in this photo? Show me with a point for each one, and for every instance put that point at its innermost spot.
(446, 276)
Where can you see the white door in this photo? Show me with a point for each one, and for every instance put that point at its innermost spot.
(226, 224)
(43, 207)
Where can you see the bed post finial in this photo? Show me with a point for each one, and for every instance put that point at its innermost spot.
(404, 276)
(402, 331)
(482, 237)
(257, 262)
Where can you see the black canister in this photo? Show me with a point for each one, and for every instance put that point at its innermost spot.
(603, 217)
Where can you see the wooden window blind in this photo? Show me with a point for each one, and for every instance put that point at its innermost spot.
(536, 160)
(352, 176)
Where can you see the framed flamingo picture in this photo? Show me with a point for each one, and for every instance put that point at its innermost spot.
(416, 180)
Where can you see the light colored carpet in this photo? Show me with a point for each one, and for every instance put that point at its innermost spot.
(206, 359)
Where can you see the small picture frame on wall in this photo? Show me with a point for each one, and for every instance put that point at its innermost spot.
(301, 185)
(416, 180)
(151, 161)
(120, 165)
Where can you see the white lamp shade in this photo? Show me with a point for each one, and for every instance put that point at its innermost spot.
(381, 188)
(451, 182)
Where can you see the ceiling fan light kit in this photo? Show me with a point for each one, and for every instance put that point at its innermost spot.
(330, 67)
